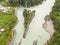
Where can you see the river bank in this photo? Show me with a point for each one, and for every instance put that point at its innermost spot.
(48, 25)
(7, 22)
(55, 17)
(13, 37)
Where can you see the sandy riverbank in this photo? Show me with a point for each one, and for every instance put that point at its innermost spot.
(48, 26)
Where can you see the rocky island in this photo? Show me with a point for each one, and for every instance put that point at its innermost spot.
(28, 16)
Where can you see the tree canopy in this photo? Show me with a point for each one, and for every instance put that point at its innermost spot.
(25, 3)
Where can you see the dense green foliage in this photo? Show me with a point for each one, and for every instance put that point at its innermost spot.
(55, 16)
(25, 3)
(1, 1)
(6, 37)
(28, 16)
(7, 21)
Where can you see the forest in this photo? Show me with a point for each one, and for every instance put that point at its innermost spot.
(55, 16)
(25, 3)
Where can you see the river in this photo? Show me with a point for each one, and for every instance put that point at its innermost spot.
(36, 30)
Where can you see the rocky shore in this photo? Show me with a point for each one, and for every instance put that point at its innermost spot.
(48, 25)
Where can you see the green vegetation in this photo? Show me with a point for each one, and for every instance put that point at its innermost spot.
(55, 16)
(7, 21)
(6, 4)
(1, 1)
(28, 16)
(25, 3)
(6, 37)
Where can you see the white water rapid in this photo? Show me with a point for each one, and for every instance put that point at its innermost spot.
(36, 30)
